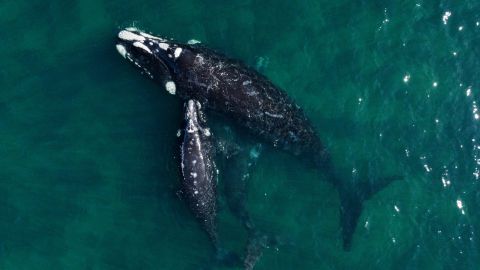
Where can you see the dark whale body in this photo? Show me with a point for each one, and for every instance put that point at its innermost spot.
(237, 91)
(200, 176)
(199, 172)
(250, 99)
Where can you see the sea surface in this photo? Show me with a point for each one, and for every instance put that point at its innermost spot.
(89, 168)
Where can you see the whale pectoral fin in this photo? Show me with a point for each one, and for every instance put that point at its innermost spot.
(351, 205)
(350, 211)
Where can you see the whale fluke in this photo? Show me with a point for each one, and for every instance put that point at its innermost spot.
(352, 194)
(350, 211)
(351, 205)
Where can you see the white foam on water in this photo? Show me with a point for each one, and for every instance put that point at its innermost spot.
(193, 42)
(446, 16)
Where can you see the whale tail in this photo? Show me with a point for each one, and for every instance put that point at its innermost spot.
(352, 195)
(352, 198)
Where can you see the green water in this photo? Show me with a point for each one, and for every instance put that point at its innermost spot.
(88, 167)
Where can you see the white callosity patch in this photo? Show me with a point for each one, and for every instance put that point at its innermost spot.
(178, 52)
(130, 36)
(151, 36)
(171, 87)
(121, 50)
(142, 46)
(140, 32)
(163, 46)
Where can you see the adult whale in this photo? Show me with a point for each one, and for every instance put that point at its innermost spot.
(231, 88)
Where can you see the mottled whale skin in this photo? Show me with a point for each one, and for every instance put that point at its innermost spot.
(199, 172)
(226, 86)
(237, 91)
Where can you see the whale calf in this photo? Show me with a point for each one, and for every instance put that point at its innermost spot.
(247, 97)
(199, 172)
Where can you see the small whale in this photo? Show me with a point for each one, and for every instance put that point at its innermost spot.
(253, 102)
(200, 177)
(199, 172)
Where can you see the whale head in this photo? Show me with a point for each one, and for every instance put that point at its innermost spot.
(158, 58)
(192, 113)
(195, 119)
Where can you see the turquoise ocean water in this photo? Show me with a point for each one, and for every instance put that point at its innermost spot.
(89, 156)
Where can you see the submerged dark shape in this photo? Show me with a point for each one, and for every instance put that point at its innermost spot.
(236, 181)
(199, 172)
(247, 97)
(236, 193)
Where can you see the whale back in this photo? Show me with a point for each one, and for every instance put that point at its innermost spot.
(231, 88)
(199, 172)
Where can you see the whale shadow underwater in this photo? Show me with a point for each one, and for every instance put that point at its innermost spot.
(252, 102)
